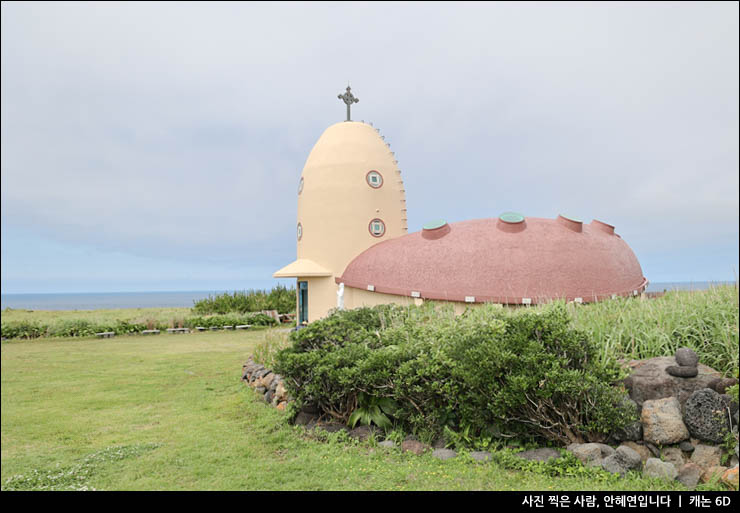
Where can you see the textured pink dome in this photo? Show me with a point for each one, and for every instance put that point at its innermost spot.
(491, 260)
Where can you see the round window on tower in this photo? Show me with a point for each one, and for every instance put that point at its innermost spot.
(377, 228)
(300, 186)
(299, 231)
(374, 179)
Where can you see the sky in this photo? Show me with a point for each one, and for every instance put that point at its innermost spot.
(158, 146)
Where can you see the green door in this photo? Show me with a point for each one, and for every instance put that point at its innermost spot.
(302, 302)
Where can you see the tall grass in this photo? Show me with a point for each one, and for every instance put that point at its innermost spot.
(280, 298)
(706, 321)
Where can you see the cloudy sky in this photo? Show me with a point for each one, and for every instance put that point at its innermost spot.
(158, 146)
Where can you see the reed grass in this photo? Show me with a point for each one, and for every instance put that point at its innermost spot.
(705, 321)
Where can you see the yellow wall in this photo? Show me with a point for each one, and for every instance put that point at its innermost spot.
(336, 205)
(355, 298)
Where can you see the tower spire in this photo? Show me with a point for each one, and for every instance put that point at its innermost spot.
(349, 99)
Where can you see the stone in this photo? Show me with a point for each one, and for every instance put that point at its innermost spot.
(613, 465)
(310, 408)
(706, 456)
(606, 450)
(280, 392)
(640, 449)
(689, 475)
(705, 416)
(541, 454)
(388, 444)
(260, 390)
(633, 431)
(653, 449)
(268, 396)
(588, 454)
(649, 380)
(274, 384)
(660, 469)
(673, 455)
(686, 446)
(332, 427)
(662, 423)
(444, 454)
(266, 380)
(282, 405)
(730, 477)
(713, 473)
(414, 446)
(687, 357)
(303, 418)
(361, 433)
(630, 433)
(481, 455)
(629, 458)
(723, 384)
(682, 372)
(439, 443)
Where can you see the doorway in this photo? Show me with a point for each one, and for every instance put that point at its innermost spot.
(302, 302)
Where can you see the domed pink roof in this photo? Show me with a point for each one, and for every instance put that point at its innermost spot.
(511, 259)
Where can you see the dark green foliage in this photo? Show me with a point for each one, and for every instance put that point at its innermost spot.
(23, 329)
(525, 373)
(280, 298)
(82, 328)
(372, 410)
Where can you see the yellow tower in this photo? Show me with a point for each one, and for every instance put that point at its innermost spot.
(350, 197)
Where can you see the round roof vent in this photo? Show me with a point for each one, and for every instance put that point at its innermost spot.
(571, 223)
(604, 227)
(511, 222)
(435, 229)
(511, 217)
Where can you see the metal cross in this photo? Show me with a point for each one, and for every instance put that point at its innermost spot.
(349, 99)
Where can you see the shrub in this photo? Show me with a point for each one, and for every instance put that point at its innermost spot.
(279, 298)
(23, 329)
(524, 373)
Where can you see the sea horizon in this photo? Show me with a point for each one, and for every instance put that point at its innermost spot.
(186, 298)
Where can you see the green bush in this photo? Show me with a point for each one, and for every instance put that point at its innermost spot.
(83, 328)
(523, 373)
(23, 329)
(279, 298)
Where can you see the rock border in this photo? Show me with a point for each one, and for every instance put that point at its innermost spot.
(663, 444)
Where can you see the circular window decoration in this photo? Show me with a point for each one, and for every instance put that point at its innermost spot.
(374, 179)
(377, 228)
(299, 231)
(300, 186)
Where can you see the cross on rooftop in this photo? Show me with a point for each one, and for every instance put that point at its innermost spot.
(349, 99)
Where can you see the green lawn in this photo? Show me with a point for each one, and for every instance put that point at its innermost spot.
(177, 403)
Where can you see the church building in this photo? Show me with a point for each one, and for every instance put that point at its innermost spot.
(354, 249)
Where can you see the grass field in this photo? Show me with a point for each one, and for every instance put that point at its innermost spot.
(169, 412)
(163, 315)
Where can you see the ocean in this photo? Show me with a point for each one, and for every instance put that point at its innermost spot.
(109, 300)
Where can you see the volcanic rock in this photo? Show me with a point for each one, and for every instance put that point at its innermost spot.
(649, 380)
(705, 416)
(662, 423)
(687, 357)
(682, 372)
(662, 469)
